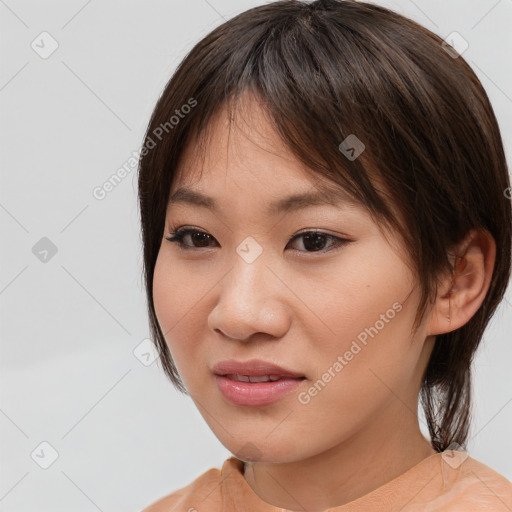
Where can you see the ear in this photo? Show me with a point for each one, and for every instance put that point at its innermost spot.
(461, 293)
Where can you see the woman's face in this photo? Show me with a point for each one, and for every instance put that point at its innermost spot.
(339, 315)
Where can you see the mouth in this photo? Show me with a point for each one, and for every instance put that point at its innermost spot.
(255, 383)
(254, 370)
(256, 390)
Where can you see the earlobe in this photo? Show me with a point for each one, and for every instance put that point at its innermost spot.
(461, 294)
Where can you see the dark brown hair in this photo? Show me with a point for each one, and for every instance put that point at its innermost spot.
(327, 69)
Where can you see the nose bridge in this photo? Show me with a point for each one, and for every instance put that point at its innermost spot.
(247, 283)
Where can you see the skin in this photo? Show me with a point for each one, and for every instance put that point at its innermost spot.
(301, 313)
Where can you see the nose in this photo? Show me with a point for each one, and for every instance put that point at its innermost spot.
(251, 300)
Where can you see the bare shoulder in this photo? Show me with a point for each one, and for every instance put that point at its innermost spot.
(201, 494)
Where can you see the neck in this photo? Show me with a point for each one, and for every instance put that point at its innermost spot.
(363, 462)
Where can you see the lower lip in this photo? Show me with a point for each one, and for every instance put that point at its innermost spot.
(255, 394)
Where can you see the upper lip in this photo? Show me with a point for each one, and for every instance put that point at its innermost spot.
(253, 367)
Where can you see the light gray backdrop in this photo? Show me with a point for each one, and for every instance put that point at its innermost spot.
(75, 103)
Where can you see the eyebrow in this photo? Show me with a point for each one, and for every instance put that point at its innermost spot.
(287, 204)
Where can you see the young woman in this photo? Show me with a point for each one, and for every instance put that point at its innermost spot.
(327, 233)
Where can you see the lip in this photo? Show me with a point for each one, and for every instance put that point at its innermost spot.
(254, 394)
(253, 367)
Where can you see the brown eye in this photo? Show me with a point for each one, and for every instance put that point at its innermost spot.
(197, 237)
(315, 241)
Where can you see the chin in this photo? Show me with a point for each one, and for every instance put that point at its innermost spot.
(265, 451)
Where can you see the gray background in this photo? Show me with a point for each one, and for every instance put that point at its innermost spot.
(69, 376)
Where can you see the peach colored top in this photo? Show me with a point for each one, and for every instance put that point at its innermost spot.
(449, 481)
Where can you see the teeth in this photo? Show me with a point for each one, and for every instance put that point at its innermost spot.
(259, 378)
(241, 378)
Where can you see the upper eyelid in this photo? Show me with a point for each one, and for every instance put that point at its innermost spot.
(186, 230)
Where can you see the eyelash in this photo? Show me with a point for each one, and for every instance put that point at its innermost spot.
(178, 235)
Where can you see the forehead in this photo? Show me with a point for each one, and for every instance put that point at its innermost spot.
(241, 154)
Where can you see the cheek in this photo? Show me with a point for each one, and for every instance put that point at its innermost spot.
(163, 298)
(366, 320)
(350, 297)
(173, 292)
(174, 307)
